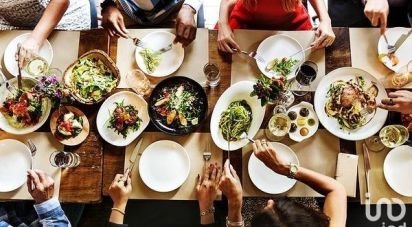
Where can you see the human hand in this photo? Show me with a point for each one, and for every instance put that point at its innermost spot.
(230, 185)
(399, 101)
(324, 35)
(120, 190)
(29, 48)
(113, 22)
(185, 25)
(266, 153)
(225, 39)
(207, 185)
(377, 12)
(40, 186)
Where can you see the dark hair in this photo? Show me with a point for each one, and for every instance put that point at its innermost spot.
(287, 213)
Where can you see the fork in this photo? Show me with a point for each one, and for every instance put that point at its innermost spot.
(207, 155)
(33, 150)
(138, 42)
(391, 48)
(252, 54)
(245, 136)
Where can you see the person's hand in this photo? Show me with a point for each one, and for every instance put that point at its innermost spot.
(230, 185)
(225, 39)
(40, 186)
(266, 153)
(377, 12)
(399, 101)
(207, 185)
(29, 48)
(120, 190)
(185, 25)
(324, 35)
(112, 21)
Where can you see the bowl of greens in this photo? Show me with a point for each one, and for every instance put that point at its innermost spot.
(178, 105)
(92, 77)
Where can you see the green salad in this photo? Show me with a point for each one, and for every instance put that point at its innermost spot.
(151, 59)
(281, 66)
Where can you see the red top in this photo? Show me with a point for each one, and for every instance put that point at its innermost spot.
(269, 15)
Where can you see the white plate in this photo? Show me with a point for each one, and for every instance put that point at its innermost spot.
(403, 53)
(15, 160)
(397, 167)
(164, 166)
(236, 92)
(279, 46)
(107, 108)
(46, 52)
(170, 61)
(4, 93)
(266, 179)
(331, 123)
(296, 136)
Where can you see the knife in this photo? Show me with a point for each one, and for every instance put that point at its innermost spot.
(133, 157)
(402, 39)
(366, 160)
(19, 85)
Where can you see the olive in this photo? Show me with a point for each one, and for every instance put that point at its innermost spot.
(293, 127)
(304, 131)
(304, 112)
(292, 115)
(311, 122)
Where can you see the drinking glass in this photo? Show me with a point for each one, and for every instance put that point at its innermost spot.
(305, 75)
(212, 74)
(279, 124)
(394, 135)
(36, 66)
(139, 82)
(63, 159)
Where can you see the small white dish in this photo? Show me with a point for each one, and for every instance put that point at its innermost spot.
(15, 161)
(403, 53)
(164, 166)
(266, 179)
(107, 108)
(396, 169)
(296, 135)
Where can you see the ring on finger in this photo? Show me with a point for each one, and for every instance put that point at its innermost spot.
(391, 102)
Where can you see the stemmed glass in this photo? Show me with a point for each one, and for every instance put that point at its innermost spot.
(278, 125)
(390, 136)
(305, 75)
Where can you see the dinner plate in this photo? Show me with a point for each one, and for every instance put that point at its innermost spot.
(107, 108)
(279, 46)
(403, 53)
(266, 179)
(331, 123)
(237, 92)
(27, 82)
(164, 166)
(46, 52)
(170, 61)
(396, 168)
(15, 161)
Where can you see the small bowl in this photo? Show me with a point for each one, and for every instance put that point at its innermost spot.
(296, 136)
(72, 141)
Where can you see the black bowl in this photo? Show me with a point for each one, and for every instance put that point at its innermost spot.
(160, 121)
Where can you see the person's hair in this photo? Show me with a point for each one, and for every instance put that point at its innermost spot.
(287, 5)
(287, 213)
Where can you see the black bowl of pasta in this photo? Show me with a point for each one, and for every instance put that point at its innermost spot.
(177, 105)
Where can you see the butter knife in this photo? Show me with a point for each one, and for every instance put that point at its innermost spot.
(133, 157)
(19, 84)
(402, 39)
(367, 163)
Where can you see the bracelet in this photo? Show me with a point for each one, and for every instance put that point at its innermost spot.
(211, 210)
(118, 210)
(234, 223)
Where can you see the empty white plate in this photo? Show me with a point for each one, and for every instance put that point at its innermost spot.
(15, 161)
(46, 52)
(164, 166)
(266, 179)
(397, 167)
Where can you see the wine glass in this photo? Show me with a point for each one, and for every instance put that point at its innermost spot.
(390, 136)
(278, 125)
(305, 75)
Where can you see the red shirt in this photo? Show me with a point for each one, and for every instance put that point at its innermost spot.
(269, 15)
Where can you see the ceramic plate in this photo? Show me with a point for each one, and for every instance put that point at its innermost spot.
(403, 53)
(303, 122)
(164, 166)
(396, 168)
(266, 179)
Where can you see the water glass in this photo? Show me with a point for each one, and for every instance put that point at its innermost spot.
(63, 159)
(212, 74)
(139, 82)
(305, 75)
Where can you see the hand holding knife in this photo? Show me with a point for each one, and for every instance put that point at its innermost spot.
(132, 159)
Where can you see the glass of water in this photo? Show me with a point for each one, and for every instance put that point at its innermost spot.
(212, 74)
(139, 82)
(63, 159)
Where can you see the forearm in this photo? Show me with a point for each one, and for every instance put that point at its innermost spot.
(117, 217)
(226, 6)
(319, 182)
(51, 17)
(235, 210)
(320, 9)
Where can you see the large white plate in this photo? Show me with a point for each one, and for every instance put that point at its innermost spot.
(107, 108)
(330, 123)
(266, 179)
(164, 166)
(46, 52)
(15, 160)
(279, 46)
(397, 167)
(4, 93)
(237, 92)
(403, 53)
(170, 60)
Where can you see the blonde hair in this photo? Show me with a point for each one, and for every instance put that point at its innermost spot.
(287, 5)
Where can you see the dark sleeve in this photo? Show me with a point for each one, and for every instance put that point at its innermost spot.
(109, 224)
(209, 225)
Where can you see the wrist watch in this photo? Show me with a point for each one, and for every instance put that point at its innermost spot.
(293, 170)
(211, 210)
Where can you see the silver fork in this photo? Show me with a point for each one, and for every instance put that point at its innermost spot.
(245, 136)
(391, 48)
(33, 150)
(252, 54)
(139, 43)
(207, 155)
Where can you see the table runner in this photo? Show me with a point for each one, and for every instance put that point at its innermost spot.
(196, 56)
(46, 144)
(318, 153)
(245, 68)
(65, 47)
(379, 188)
(194, 144)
